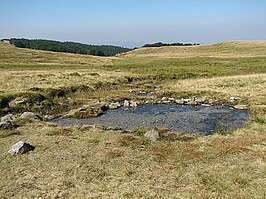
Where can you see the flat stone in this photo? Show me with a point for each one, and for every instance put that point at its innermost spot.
(152, 135)
(21, 147)
(241, 107)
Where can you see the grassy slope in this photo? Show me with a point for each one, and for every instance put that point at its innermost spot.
(225, 49)
(106, 164)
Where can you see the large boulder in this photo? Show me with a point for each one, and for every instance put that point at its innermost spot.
(30, 116)
(87, 111)
(9, 117)
(152, 135)
(21, 147)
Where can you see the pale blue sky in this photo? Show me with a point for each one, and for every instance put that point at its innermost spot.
(134, 22)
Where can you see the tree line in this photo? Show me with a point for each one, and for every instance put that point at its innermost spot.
(68, 47)
(160, 44)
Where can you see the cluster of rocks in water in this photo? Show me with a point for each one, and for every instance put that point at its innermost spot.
(195, 101)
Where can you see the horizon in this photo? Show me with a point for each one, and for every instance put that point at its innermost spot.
(133, 24)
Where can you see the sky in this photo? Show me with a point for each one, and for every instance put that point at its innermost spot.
(132, 23)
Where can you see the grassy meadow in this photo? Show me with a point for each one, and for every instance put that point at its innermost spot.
(95, 163)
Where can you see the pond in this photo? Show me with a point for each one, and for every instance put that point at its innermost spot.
(188, 119)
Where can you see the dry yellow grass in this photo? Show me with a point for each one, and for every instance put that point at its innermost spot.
(107, 164)
(18, 81)
(222, 50)
(248, 88)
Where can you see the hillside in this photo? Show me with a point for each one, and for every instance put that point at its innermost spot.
(11, 56)
(225, 49)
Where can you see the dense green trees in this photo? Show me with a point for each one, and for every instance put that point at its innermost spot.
(160, 44)
(69, 47)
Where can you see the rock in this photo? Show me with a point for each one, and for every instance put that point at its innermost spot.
(192, 103)
(202, 100)
(87, 127)
(232, 99)
(113, 128)
(207, 105)
(6, 125)
(48, 117)
(15, 102)
(152, 135)
(241, 107)
(133, 104)
(9, 117)
(126, 103)
(195, 98)
(87, 111)
(20, 148)
(114, 105)
(179, 101)
(164, 99)
(30, 116)
(186, 100)
(171, 99)
(211, 101)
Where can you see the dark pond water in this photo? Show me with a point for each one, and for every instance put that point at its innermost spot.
(202, 120)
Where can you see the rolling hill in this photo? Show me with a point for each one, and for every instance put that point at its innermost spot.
(225, 49)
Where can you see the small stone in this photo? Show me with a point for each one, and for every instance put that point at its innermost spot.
(133, 104)
(179, 101)
(232, 98)
(113, 128)
(195, 98)
(15, 102)
(211, 101)
(206, 105)
(48, 117)
(192, 103)
(126, 103)
(114, 105)
(20, 148)
(164, 99)
(241, 107)
(186, 100)
(87, 127)
(171, 99)
(6, 125)
(152, 135)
